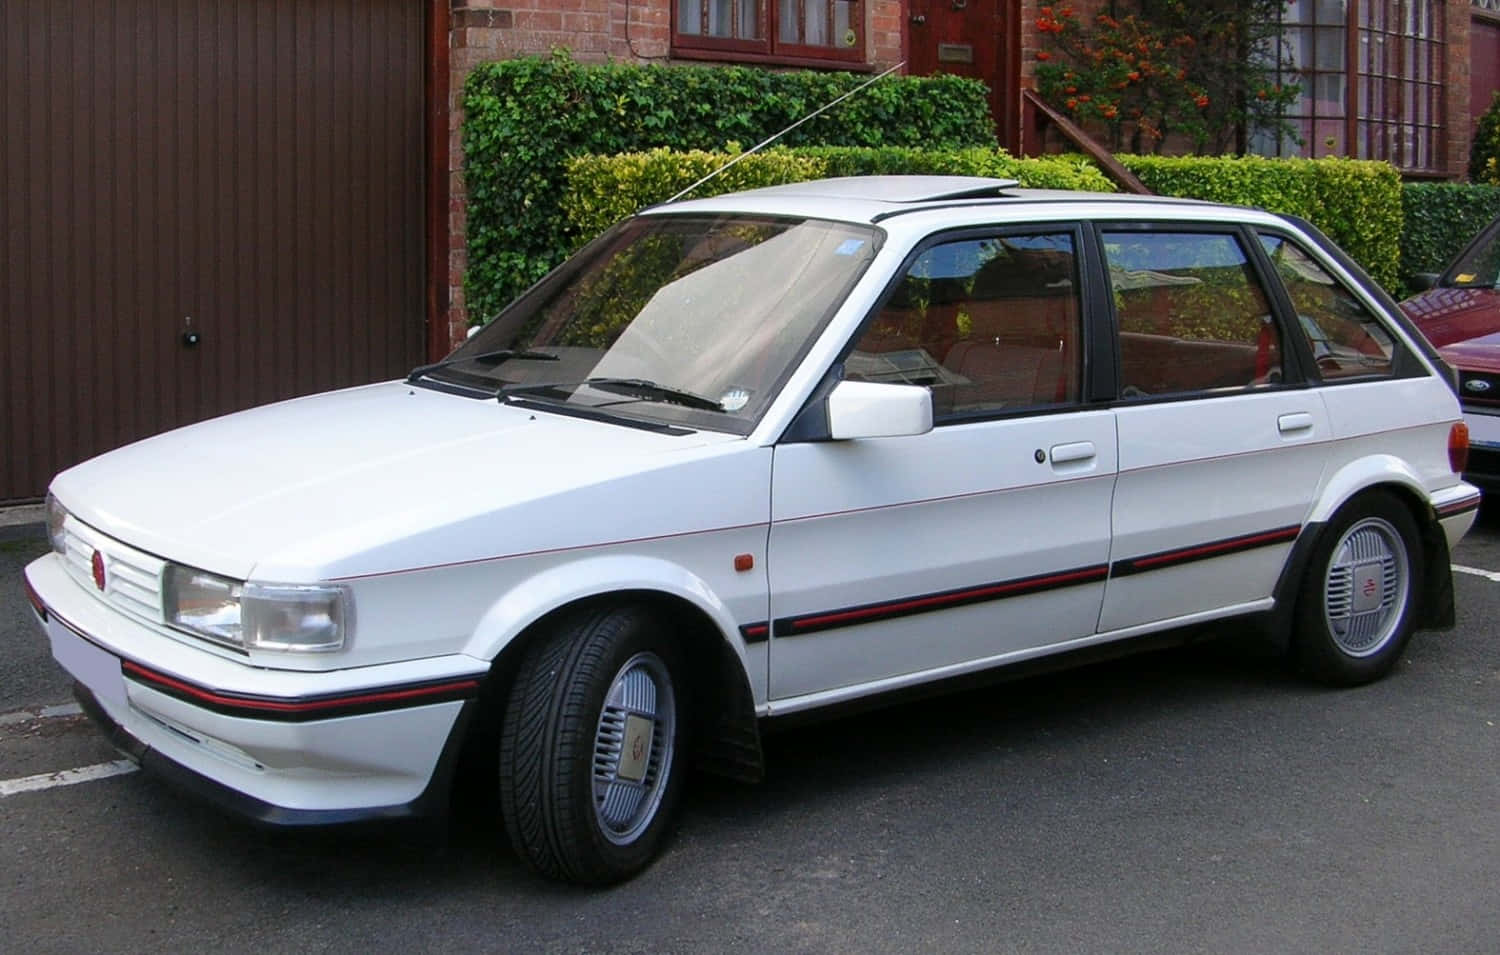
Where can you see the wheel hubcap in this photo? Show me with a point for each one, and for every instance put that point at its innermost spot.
(1366, 588)
(633, 748)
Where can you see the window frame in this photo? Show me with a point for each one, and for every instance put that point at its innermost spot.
(1402, 365)
(1294, 362)
(1086, 271)
(770, 48)
(1384, 99)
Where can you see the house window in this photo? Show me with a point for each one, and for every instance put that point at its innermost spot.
(1380, 97)
(793, 30)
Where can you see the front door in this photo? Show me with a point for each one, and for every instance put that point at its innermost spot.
(975, 38)
(986, 539)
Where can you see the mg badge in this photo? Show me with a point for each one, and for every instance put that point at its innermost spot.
(1477, 385)
(98, 565)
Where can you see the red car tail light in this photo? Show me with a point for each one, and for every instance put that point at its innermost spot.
(1458, 447)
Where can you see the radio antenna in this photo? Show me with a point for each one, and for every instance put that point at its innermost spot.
(766, 142)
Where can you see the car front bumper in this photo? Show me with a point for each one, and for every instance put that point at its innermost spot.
(279, 747)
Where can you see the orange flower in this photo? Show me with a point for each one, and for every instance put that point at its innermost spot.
(1043, 55)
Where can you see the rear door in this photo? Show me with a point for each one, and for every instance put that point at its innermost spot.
(986, 538)
(1222, 442)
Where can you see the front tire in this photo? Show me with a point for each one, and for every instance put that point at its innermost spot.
(1358, 604)
(591, 750)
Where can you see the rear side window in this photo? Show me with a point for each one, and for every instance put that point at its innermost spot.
(990, 325)
(1192, 314)
(1345, 338)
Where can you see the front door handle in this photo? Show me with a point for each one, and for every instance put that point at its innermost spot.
(1293, 423)
(1076, 451)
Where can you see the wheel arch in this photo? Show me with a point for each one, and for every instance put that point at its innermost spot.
(723, 719)
(1391, 475)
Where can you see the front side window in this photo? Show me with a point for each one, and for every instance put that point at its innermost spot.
(789, 29)
(1345, 338)
(692, 320)
(1192, 315)
(990, 325)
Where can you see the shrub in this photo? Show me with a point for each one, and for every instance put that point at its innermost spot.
(1144, 73)
(1356, 202)
(524, 118)
(1072, 172)
(1440, 219)
(1484, 152)
(604, 189)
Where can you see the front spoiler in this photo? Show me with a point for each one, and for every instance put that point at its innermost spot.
(432, 802)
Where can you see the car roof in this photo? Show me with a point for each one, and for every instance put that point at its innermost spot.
(874, 199)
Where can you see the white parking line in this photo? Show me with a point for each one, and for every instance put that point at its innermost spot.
(1489, 575)
(66, 777)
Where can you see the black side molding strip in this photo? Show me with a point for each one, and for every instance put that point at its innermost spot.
(1220, 548)
(943, 600)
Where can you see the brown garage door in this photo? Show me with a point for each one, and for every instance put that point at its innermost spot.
(245, 170)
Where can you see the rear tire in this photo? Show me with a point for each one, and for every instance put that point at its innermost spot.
(1358, 604)
(591, 760)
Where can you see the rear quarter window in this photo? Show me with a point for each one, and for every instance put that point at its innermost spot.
(1345, 338)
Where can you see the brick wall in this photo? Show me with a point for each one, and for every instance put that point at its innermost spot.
(595, 31)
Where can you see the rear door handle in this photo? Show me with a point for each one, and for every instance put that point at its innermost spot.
(1292, 423)
(1077, 451)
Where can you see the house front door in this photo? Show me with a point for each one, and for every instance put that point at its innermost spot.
(978, 38)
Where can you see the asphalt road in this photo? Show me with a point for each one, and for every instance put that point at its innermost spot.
(1196, 800)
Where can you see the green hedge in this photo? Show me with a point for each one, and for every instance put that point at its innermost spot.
(602, 190)
(524, 118)
(1440, 220)
(1356, 202)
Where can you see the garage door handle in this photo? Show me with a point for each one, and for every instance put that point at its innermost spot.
(1292, 423)
(1077, 451)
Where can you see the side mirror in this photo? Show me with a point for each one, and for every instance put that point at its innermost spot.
(867, 409)
(1422, 281)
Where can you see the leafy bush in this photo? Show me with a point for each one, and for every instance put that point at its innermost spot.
(1484, 152)
(1072, 172)
(1144, 71)
(1356, 202)
(604, 189)
(1440, 220)
(524, 118)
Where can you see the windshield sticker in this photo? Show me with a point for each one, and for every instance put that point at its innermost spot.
(849, 247)
(735, 398)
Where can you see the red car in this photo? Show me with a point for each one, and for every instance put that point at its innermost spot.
(1460, 314)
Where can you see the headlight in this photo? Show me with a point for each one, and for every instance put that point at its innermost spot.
(56, 514)
(299, 618)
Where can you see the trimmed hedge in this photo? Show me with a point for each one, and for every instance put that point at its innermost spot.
(1440, 220)
(524, 118)
(602, 190)
(1356, 202)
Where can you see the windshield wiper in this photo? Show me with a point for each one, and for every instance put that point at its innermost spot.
(504, 354)
(640, 388)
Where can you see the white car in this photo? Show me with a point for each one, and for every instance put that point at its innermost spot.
(752, 456)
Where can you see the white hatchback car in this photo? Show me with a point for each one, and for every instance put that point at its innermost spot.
(752, 456)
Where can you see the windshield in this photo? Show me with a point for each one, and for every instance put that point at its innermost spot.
(690, 320)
